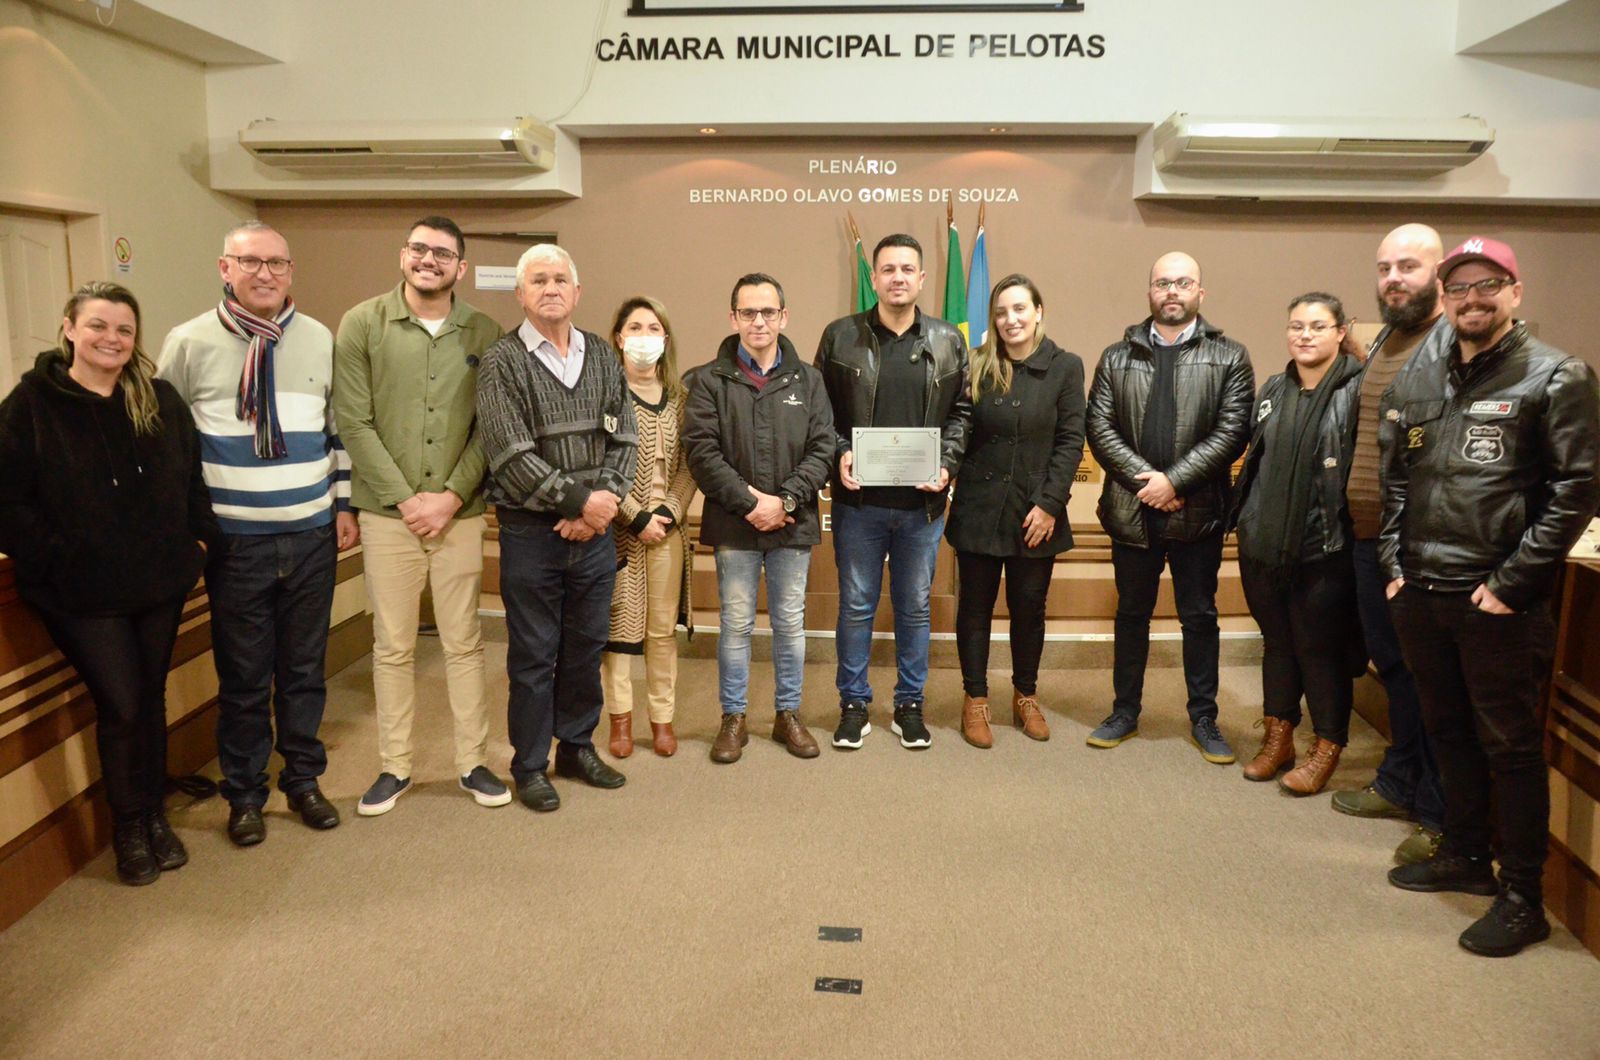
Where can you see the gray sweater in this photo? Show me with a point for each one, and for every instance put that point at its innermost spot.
(549, 447)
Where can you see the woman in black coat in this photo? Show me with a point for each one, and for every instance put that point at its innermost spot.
(1009, 512)
(103, 511)
(1295, 546)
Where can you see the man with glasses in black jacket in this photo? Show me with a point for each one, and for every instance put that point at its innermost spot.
(1491, 446)
(1169, 413)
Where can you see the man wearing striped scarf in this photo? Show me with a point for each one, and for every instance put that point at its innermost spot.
(256, 374)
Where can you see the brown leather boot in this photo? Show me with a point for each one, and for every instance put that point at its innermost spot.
(1312, 774)
(975, 722)
(621, 735)
(787, 730)
(731, 738)
(666, 740)
(1026, 715)
(1277, 750)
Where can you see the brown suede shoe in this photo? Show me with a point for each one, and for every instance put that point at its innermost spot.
(666, 740)
(1312, 774)
(975, 722)
(621, 735)
(1026, 715)
(1277, 750)
(731, 738)
(787, 730)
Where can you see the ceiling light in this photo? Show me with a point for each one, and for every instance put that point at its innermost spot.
(707, 131)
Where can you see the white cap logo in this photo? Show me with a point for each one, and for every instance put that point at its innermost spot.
(1473, 246)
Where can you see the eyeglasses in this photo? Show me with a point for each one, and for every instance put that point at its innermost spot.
(252, 264)
(748, 316)
(1184, 284)
(443, 255)
(1318, 328)
(1489, 287)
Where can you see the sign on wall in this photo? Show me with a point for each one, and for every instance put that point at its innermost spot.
(834, 7)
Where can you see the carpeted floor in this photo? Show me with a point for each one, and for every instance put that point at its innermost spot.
(1032, 900)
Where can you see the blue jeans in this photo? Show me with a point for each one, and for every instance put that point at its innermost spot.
(558, 615)
(862, 537)
(1408, 775)
(738, 576)
(271, 595)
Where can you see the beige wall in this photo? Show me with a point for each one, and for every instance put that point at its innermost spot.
(1074, 230)
(100, 128)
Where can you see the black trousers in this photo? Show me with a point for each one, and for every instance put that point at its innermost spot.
(1027, 584)
(123, 661)
(1194, 589)
(1479, 677)
(1309, 630)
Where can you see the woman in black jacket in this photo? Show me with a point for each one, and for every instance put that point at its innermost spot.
(1009, 512)
(1294, 545)
(103, 511)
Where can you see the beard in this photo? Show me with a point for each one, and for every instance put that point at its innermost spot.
(1413, 313)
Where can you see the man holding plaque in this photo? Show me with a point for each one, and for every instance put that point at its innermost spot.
(897, 380)
(758, 435)
(1169, 413)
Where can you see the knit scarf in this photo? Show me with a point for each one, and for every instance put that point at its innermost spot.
(258, 399)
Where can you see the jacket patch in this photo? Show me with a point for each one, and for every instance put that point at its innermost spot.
(1492, 408)
(610, 422)
(1414, 438)
(791, 398)
(1484, 445)
(1264, 410)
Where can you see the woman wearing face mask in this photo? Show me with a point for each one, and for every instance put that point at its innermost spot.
(1009, 512)
(652, 593)
(103, 511)
(1295, 545)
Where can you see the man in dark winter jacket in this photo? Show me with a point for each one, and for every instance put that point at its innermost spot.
(1491, 446)
(758, 437)
(1169, 413)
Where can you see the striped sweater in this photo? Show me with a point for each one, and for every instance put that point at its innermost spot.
(251, 495)
(549, 447)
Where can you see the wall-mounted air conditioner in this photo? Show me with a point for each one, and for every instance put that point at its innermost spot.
(412, 148)
(1191, 145)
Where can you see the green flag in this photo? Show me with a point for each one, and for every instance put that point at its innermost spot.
(955, 288)
(866, 297)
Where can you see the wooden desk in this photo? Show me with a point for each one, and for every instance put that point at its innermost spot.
(1572, 747)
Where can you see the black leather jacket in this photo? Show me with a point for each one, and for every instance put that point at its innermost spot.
(1216, 390)
(1327, 516)
(1489, 467)
(847, 357)
(778, 439)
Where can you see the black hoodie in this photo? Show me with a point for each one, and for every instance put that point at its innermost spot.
(96, 519)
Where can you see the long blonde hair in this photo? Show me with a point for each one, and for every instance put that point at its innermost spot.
(138, 392)
(667, 366)
(991, 365)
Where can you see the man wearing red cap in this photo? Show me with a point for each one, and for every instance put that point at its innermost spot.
(1491, 445)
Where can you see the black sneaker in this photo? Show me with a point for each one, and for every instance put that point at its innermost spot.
(485, 788)
(1114, 730)
(1447, 872)
(853, 725)
(384, 793)
(908, 725)
(1510, 924)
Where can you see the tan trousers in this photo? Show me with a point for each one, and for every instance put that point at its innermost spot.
(397, 564)
(663, 573)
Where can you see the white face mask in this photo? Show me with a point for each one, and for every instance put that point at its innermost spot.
(644, 350)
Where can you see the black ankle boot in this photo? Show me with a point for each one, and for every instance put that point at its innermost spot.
(165, 846)
(135, 863)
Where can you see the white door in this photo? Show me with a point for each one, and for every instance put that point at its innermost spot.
(35, 281)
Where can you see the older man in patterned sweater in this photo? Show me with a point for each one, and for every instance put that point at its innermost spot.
(558, 429)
